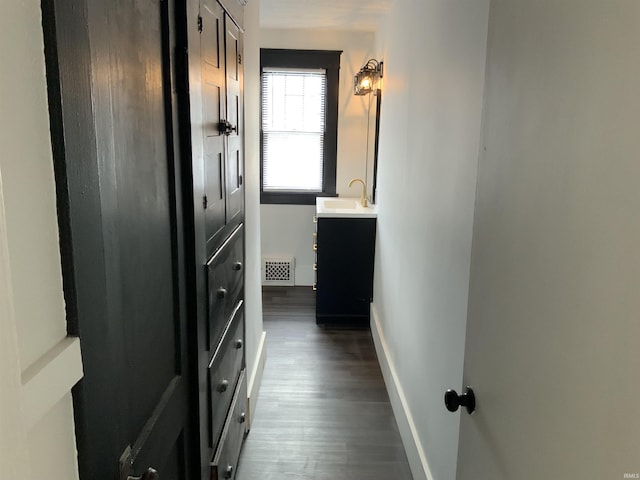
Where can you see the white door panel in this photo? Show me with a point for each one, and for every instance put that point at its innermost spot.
(554, 308)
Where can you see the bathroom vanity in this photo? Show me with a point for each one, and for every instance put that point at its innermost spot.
(344, 243)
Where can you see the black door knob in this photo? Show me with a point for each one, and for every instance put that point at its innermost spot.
(453, 401)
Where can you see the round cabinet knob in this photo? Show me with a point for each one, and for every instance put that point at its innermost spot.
(228, 473)
(223, 386)
(242, 418)
(237, 266)
(221, 292)
(453, 401)
(239, 343)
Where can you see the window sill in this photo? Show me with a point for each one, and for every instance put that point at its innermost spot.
(292, 198)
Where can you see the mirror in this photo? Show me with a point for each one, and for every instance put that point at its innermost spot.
(373, 131)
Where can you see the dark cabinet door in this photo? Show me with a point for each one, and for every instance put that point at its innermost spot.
(220, 45)
(214, 103)
(123, 232)
(235, 160)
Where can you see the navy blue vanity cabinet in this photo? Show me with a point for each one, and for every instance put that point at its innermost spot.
(345, 249)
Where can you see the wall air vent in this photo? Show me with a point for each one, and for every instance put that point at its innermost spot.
(278, 271)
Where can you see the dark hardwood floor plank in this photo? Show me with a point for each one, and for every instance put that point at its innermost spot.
(323, 412)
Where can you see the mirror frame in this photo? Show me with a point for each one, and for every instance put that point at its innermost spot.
(374, 187)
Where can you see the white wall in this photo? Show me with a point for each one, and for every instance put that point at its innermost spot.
(286, 230)
(434, 54)
(254, 334)
(31, 231)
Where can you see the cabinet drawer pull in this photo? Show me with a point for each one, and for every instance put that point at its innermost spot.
(242, 418)
(221, 292)
(237, 266)
(315, 235)
(223, 386)
(315, 219)
(238, 344)
(315, 267)
(315, 287)
(228, 473)
(315, 247)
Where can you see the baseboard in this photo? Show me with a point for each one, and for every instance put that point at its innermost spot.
(255, 377)
(408, 432)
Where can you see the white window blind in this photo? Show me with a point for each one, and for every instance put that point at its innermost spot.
(293, 129)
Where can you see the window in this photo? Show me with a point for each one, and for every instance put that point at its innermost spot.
(298, 125)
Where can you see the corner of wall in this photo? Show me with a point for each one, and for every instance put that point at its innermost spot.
(255, 376)
(255, 336)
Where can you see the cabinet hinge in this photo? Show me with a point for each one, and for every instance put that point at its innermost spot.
(239, 179)
(199, 23)
(239, 59)
(205, 202)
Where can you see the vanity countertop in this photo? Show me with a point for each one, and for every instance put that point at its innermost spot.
(343, 207)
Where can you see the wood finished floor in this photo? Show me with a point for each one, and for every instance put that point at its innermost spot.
(323, 412)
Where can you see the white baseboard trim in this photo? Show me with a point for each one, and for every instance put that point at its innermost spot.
(408, 432)
(255, 377)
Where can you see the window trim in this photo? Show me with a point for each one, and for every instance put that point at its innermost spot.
(329, 60)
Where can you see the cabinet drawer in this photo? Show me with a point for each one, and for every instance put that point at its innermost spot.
(224, 369)
(225, 460)
(225, 272)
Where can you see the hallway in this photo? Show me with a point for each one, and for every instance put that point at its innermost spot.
(323, 412)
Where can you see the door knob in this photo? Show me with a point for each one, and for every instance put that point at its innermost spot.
(228, 472)
(453, 401)
(150, 474)
(237, 266)
(221, 292)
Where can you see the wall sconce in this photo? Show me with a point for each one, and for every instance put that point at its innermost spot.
(364, 81)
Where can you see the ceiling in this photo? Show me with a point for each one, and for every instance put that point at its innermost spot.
(331, 14)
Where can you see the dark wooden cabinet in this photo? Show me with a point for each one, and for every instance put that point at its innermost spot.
(345, 249)
(217, 138)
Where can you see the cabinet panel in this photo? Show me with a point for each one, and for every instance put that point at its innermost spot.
(214, 111)
(235, 160)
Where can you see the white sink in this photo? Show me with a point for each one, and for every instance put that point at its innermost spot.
(341, 203)
(346, 207)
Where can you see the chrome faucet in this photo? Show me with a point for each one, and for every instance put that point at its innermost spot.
(363, 198)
